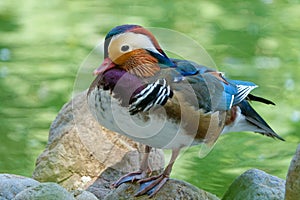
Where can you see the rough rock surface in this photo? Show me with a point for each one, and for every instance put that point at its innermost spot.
(11, 185)
(83, 195)
(81, 154)
(255, 184)
(173, 189)
(47, 191)
(292, 190)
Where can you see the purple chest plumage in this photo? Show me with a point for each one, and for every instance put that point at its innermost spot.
(123, 85)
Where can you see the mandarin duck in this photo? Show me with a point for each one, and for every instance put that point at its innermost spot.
(166, 103)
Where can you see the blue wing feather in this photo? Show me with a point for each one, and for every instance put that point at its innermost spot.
(243, 89)
(234, 91)
(228, 95)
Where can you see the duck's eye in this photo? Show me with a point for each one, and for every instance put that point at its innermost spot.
(125, 48)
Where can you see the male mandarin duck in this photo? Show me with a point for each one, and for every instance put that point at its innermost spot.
(166, 103)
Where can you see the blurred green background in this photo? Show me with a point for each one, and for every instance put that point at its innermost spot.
(43, 43)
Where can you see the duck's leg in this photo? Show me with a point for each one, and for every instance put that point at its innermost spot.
(153, 184)
(137, 175)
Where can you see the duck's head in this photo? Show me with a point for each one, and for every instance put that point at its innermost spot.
(134, 49)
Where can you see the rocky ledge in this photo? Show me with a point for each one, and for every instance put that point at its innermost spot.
(82, 159)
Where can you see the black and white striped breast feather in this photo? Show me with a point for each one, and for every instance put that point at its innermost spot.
(153, 94)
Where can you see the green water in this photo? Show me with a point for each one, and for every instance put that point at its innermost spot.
(42, 45)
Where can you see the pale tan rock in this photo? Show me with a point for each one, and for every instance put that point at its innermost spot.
(81, 154)
(292, 186)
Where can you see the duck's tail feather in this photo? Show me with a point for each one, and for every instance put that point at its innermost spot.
(252, 97)
(254, 119)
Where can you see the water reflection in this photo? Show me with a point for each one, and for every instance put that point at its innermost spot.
(266, 62)
(4, 54)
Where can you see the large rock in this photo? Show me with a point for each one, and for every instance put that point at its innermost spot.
(11, 185)
(83, 195)
(255, 184)
(173, 189)
(292, 190)
(45, 191)
(81, 154)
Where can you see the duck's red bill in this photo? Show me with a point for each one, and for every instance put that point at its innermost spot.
(106, 65)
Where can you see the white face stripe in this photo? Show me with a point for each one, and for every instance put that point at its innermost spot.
(134, 40)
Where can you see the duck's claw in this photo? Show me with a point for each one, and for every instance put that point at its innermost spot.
(130, 177)
(151, 185)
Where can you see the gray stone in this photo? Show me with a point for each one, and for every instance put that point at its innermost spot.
(83, 195)
(292, 190)
(172, 190)
(44, 191)
(255, 184)
(11, 185)
(81, 154)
